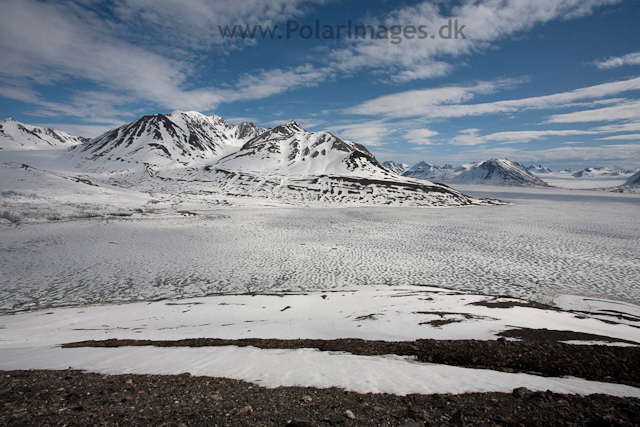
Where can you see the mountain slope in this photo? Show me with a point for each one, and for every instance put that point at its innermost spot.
(633, 179)
(290, 150)
(19, 136)
(289, 164)
(395, 167)
(322, 189)
(631, 185)
(163, 141)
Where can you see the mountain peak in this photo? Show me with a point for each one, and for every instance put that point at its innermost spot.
(495, 171)
(289, 149)
(179, 139)
(423, 163)
(291, 125)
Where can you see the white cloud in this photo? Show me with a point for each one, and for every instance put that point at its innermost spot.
(487, 22)
(150, 50)
(371, 133)
(624, 155)
(194, 23)
(426, 102)
(467, 137)
(420, 136)
(473, 137)
(619, 61)
(38, 37)
(51, 42)
(87, 131)
(446, 102)
(527, 136)
(629, 137)
(621, 127)
(425, 71)
(266, 83)
(626, 111)
(88, 105)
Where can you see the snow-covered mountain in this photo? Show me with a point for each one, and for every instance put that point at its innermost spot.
(290, 150)
(539, 170)
(163, 141)
(429, 172)
(187, 157)
(397, 168)
(634, 180)
(598, 172)
(289, 164)
(422, 168)
(19, 136)
(631, 185)
(494, 171)
(498, 171)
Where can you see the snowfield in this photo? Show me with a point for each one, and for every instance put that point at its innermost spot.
(275, 368)
(375, 312)
(549, 242)
(31, 340)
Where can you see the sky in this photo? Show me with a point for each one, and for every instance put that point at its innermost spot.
(552, 82)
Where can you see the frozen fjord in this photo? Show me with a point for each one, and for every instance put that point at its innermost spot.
(548, 242)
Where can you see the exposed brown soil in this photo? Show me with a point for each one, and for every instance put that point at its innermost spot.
(542, 356)
(73, 398)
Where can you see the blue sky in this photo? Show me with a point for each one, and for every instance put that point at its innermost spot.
(555, 82)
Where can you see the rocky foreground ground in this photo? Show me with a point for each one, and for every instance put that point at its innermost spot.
(74, 398)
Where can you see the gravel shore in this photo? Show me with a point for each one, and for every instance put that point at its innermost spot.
(74, 398)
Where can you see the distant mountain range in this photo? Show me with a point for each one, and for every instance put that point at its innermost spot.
(395, 167)
(538, 170)
(493, 171)
(18, 136)
(508, 173)
(189, 153)
(601, 171)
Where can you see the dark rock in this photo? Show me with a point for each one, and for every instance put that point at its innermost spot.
(335, 420)
(243, 411)
(300, 423)
(522, 392)
(457, 419)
